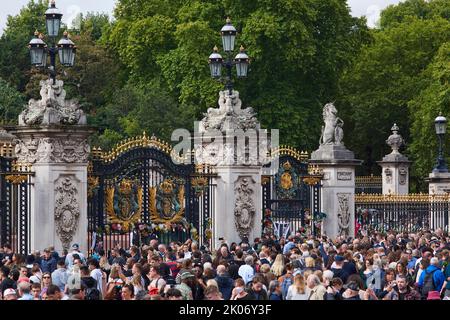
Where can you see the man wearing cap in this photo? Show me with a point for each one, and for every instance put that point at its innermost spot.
(185, 289)
(69, 257)
(10, 294)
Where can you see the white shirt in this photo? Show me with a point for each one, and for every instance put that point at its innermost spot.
(294, 295)
(98, 276)
(246, 272)
(69, 258)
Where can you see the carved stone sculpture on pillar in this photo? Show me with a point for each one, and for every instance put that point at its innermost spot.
(395, 166)
(338, 184)
(53, 108)
(52, 136)
(244, 211)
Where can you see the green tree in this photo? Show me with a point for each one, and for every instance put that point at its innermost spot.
(14, 55)
(386, 77)
(430, 101)
(11, 102)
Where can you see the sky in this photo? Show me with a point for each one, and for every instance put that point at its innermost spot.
(70, 8)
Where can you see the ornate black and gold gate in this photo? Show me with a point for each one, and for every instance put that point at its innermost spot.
(15, 201)
(137, 192)
(291, 196)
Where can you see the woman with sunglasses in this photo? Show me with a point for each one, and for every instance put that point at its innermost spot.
(46, 282)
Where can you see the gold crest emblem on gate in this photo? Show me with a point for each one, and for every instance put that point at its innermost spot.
(167, 201)
(124, 203)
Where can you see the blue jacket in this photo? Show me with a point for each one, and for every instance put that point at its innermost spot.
(48, 265)
(438, 277)
(226, 285)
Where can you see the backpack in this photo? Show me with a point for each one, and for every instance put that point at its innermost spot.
(428, 284)
(92, 294)
(156, 291)
(285, 284)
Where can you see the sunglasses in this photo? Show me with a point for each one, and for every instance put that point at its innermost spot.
(46, 277)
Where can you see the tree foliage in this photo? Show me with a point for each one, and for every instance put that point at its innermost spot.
(299, 49)
(388, 79)
(11, 102)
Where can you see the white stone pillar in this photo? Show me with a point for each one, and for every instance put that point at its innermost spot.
(59, 158)
(238, 199)
(230, 139)
(338, 196)
(395, 166)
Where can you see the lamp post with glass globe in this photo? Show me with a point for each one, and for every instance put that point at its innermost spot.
(440, 124)
(65, 48)
(216, 61)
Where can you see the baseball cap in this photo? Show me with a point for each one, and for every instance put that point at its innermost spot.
(186, 275)
(339, 258)
(9, 291)
(75, 246)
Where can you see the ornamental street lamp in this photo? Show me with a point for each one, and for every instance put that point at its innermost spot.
(241, 61)
(440, 124)
(65, 48)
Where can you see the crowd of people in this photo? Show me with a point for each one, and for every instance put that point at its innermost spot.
(371, 266)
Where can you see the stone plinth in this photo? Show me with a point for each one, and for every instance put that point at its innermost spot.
(395, 174)
(332, 152)
(439, 182)
(338, 196)
(59, 157)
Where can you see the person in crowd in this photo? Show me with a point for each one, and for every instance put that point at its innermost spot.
(46, 282)
(127, 292)
(247, 271)
(48, 263)
(24, 290)
(316, 289)
(10, 294)
(224, 281)
(213, 293)
(334, 290)
(373, 266)
(256, 290)
(298, 289)
(431, 279)
(36, 291)
(70, 256)
(275, 291)
(60, 275)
